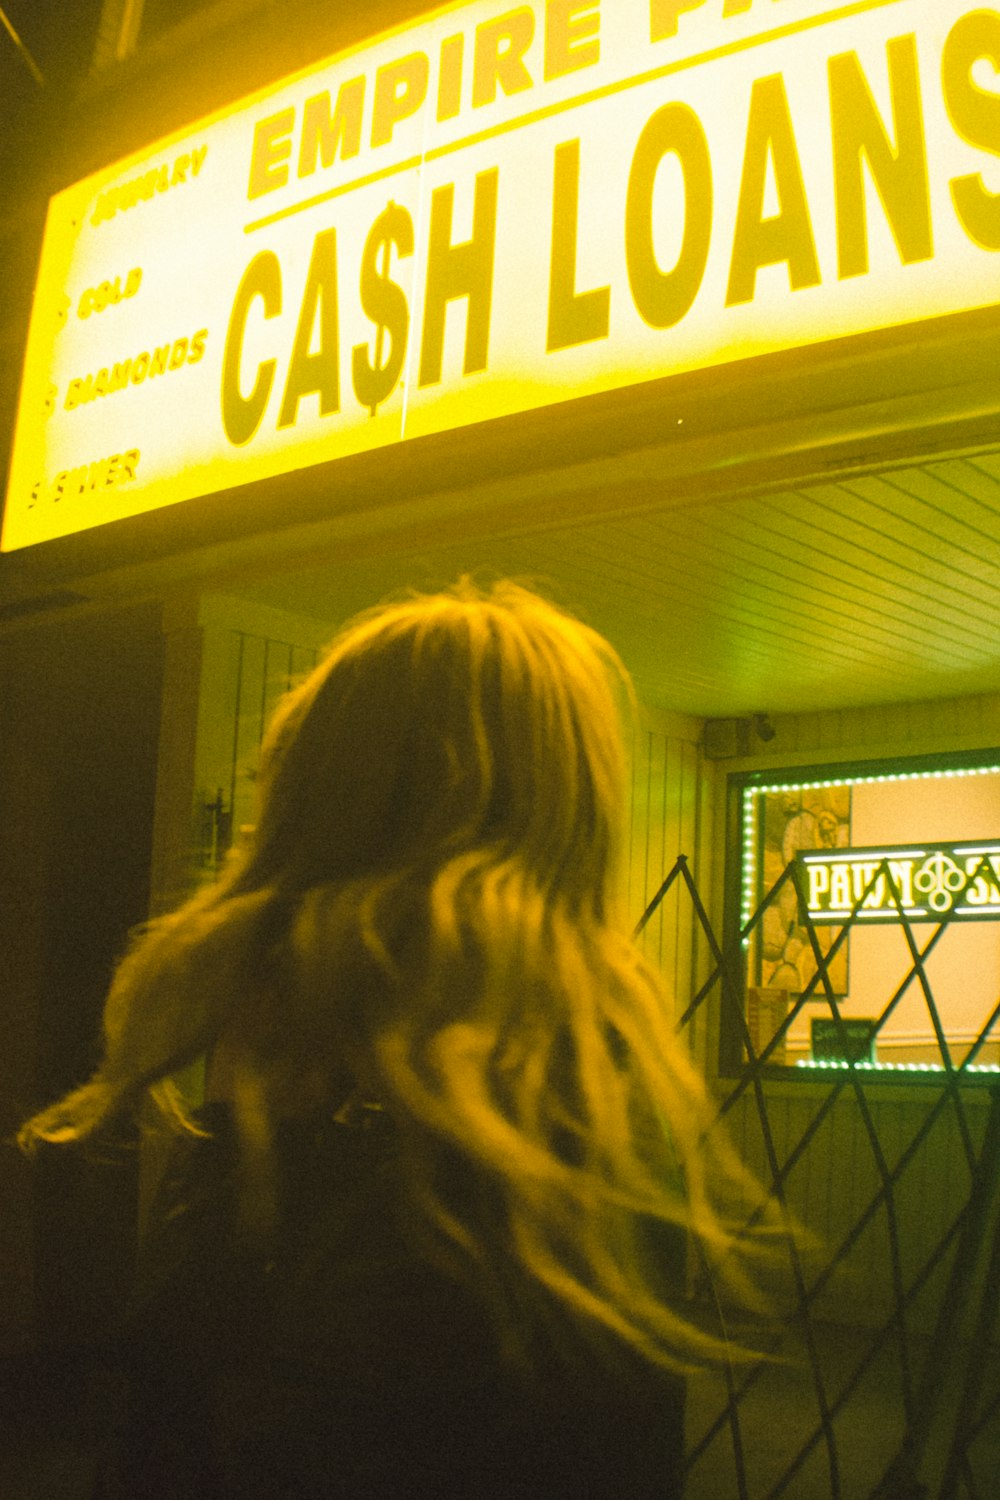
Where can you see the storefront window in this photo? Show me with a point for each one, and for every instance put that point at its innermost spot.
(869, 916)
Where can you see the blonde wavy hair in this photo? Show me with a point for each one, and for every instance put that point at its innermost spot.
(428, 908)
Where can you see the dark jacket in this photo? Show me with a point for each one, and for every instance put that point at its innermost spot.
(333, 1360)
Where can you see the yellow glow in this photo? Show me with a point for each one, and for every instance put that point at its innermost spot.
(490, 211)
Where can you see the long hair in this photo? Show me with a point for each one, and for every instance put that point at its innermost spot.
(429, 908)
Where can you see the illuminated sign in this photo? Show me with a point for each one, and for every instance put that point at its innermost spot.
(923, 882)
(494, 209)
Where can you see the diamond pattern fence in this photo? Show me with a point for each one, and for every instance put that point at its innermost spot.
(879, 1373)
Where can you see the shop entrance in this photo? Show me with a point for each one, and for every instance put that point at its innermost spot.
(842, 617)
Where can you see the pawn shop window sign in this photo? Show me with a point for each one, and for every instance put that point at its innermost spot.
(921, 882)
(496, 208)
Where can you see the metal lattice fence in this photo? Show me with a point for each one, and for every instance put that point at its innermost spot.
(881, 1378)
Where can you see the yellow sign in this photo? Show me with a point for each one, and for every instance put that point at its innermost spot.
(497, 208)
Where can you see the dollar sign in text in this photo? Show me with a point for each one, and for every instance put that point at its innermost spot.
(384, 302)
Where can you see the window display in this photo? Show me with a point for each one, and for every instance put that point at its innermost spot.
(870, 915)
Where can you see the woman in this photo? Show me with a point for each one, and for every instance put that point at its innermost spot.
(423, 1239)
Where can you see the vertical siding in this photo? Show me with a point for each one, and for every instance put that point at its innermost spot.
(180, 727)
(250, 657)
(265, 670)
(670, 814)
(834, 1183)
(250, 689)
(226, 664)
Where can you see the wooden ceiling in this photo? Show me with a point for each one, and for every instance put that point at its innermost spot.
(879, 588)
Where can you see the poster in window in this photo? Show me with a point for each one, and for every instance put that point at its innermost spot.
(794, 819)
